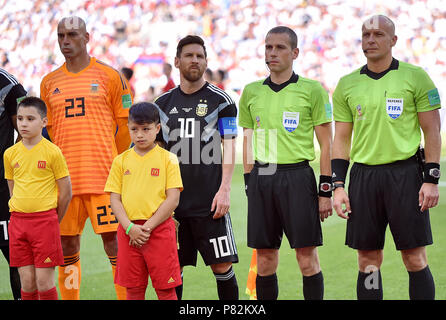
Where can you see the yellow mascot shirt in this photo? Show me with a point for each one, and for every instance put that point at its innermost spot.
(142, 181)
(34, 173)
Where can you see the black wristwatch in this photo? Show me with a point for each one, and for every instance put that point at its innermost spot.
(338, 185)
(325, 187)
(435, 173)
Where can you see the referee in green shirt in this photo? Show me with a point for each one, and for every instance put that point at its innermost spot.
(385, 103)
(280, 116)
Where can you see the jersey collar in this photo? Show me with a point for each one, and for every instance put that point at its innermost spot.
(64, 68)
(277, 87)
(393, 66)
(193, 93)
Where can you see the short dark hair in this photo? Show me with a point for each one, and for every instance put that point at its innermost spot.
(35, 102)
(291, 34)
(190, 39)
(144, 112)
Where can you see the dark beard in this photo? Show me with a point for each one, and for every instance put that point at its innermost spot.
(192, 77)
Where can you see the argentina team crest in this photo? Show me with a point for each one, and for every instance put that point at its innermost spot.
(202, 108)
(394, 107)
(290, 121)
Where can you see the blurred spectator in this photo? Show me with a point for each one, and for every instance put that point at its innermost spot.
(219, 78)
(5, 60)
(122, 31)
(209, 76)
(128, 74)
(167, 71)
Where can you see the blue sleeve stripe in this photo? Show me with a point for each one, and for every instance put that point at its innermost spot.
(227, 126)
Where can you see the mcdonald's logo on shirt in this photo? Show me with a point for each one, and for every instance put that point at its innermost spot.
(41, 164)
(155, 172)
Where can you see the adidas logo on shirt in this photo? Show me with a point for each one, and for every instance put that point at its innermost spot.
(16, 165)
(47, 260)
(173, 111)
(56, 91)
(127, 172)
(171, 280)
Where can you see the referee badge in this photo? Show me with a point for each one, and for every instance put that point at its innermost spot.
(290, 121)
(394, 107)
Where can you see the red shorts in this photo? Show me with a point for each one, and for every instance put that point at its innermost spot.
(158, 258)
(34, 239)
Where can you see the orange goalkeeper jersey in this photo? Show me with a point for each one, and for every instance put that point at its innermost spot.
(87, 119)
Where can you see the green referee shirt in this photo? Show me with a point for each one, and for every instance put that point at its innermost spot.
(283, 118)
(383, 108)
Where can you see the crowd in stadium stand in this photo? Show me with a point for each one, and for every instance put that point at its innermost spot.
(143, 34)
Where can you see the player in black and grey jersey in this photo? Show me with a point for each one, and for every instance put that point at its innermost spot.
(11, 91)
(197, 118)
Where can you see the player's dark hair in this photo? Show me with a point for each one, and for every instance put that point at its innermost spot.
(35, 102)
(144, 113)
(291, 34)
(190, 39)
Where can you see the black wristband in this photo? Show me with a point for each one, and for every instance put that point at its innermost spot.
(246, 178)
(431, 173)
(339, 168)
(325, 186)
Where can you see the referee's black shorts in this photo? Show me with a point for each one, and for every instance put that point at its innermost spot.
(285, 201)
(387, 194)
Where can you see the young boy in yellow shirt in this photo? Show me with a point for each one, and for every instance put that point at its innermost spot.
(40, 189)
(145, 185)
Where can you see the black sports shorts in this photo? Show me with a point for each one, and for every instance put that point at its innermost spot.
(387, 194)
(214, 239)
(4, 215)
(285, 201)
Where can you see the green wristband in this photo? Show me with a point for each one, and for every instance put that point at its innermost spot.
(128, 228)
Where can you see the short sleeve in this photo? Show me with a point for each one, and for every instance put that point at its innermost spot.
(12, 99)
(321, 112)
(245, 120)
(9, 175)
(114, 180)
(341, 110)
(426, 96)
(59, 165)
(227, 119)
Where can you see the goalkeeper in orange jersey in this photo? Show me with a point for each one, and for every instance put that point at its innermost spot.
(88, 105)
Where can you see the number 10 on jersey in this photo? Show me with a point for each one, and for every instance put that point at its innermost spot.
(187, 127)
(221, 247)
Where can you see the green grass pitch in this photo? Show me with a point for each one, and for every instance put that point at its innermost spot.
(338, 262)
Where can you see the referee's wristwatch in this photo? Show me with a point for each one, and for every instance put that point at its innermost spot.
(431, 172)
(338, 185)
(435, 172)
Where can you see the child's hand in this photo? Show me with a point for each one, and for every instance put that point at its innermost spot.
(138, 235)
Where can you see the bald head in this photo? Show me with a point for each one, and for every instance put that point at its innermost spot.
(380, 22)
(378, 39)
(73, 23)
(73, 37)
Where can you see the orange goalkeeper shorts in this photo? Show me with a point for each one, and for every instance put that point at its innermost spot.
(95, 206)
